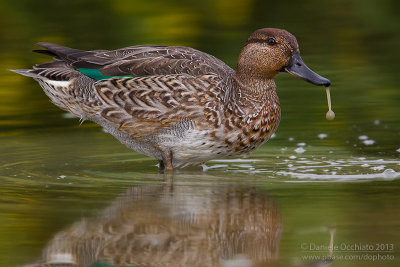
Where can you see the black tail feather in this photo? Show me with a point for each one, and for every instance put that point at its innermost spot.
(67, 54)
(73, 57)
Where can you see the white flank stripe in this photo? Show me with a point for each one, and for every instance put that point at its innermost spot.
(58, 83)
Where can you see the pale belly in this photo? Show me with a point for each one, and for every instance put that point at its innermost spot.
(195, 147)
(189, 147)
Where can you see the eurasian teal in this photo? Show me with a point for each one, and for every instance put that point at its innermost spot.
(176, 104)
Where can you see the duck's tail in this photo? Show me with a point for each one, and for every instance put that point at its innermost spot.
(66, 87)
(62, 54)
(63, 83)
(25, 72)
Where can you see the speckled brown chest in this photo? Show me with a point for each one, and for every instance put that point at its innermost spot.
(243, 127)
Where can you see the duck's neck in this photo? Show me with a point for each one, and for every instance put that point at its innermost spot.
(254, 85)
(253, 93)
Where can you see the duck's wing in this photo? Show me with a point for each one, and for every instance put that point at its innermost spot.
(138, 61)
(144, 106)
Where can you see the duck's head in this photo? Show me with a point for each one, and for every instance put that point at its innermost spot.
(269, 51)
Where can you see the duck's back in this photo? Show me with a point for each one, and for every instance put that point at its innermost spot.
(70, 80)
(137, 61)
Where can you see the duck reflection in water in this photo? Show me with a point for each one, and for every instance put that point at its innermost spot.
(174, 226)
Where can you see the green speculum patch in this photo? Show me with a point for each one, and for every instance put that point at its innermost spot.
(97, 75)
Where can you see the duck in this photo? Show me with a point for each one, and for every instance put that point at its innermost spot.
(176, 104)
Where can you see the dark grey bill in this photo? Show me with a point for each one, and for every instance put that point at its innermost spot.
(298, 68)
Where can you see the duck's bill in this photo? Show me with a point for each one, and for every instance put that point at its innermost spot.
(298, 68)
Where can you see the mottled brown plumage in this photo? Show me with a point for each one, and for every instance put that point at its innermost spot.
(178, 104)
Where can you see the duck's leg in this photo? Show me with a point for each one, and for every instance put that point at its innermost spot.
(161, 166)
(166, 162)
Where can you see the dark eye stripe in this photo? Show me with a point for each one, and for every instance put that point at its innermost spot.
(257, 40)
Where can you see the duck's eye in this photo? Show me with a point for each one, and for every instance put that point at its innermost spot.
(271, 41)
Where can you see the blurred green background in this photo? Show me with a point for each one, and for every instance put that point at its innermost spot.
(354, 43)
